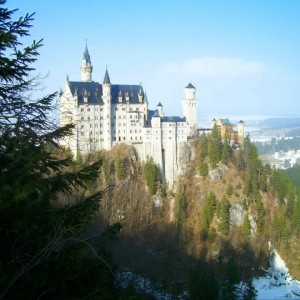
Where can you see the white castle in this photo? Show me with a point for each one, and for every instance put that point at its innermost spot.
(108, 114)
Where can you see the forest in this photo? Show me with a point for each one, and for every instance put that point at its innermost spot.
(70, 228)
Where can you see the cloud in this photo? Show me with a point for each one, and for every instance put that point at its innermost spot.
(214, 67)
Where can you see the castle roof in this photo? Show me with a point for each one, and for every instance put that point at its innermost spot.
(106, 79)
(86, 55)
(159, 104)
(225, 121)
(174, 119)
(190, 86)
(94, 92)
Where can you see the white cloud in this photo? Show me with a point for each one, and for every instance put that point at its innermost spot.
(215, 67)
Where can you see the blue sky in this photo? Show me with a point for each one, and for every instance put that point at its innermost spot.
(242, 56)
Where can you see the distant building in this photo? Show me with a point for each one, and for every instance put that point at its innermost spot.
(107, 114)
(235, 133)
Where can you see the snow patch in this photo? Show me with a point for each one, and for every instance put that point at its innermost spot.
(278, 283)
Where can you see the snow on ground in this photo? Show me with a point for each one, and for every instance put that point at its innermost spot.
(282, 160)
(277, 284)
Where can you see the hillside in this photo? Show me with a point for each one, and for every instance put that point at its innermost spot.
(217, 219)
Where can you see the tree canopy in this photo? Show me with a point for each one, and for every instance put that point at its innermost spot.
(45, 250)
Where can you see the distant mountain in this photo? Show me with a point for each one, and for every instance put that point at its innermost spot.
(276, 123)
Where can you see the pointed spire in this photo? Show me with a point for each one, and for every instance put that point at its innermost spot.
(68, 78)
(145, 97)
(106, 79)
(86, 55)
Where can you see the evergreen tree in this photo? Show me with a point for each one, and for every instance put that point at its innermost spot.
(203, 167)
(208, 211)
(151, 173)
(215, 146)
(44, 250)
(203, 146)
(226, 152)
(246, 227)
(224, 216)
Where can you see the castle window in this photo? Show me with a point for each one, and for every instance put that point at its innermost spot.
(124, 138)
(123, 108)
(82, 118)
(88, 109)
(91, 125)
(89, 118)
(101, 109)
(81, 133)
(82, 109)
(82, 126)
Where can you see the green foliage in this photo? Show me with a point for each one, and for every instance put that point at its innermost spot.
(223, 214)
(277, 145)
(203, 146)
(208, 211)
(282, 185)
(226, 152)
(215, 146)
(203, 168)
(45, 251)
(152, 177)
(294, 174)
(246, 227)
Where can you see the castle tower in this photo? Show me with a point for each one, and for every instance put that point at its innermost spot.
(86, 66)
(106, 97)
(160, 109)
(241, 131)
(190, 107)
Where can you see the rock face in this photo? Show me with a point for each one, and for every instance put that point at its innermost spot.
(237, 214)
(186, 154)
(218, 173)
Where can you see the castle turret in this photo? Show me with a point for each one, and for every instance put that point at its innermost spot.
(86, 66)
(106, 97)
(160, 109)
(190, 104)
(241, 131)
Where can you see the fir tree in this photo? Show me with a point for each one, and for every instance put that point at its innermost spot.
(151, 173)
(43, 252)
(215, 146)
(224, 216)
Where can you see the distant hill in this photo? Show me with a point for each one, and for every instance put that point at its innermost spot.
(276, 123)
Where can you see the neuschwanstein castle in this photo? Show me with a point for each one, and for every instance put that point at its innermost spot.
(109, 114)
